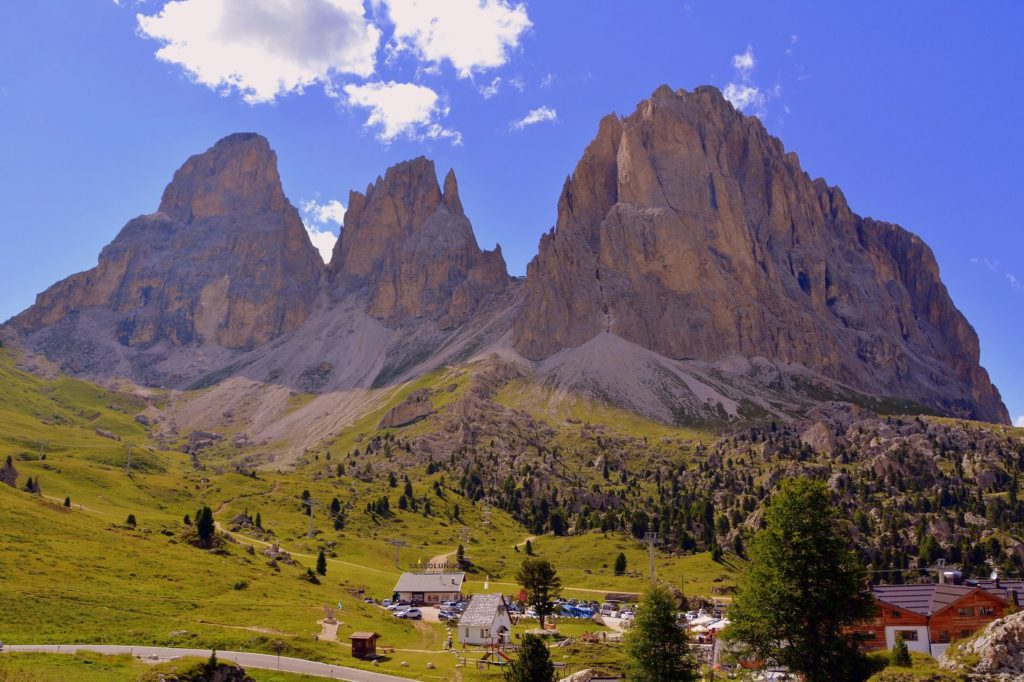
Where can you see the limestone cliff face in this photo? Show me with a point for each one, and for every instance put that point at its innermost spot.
(224, 261)
(411, 248)
(687, 229)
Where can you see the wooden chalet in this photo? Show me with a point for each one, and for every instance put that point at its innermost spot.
(931, 616)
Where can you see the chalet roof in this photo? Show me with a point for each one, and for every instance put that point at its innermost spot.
(924, 599)
(430, 582)
(482, 609)
(364, 635)
(1000, 588)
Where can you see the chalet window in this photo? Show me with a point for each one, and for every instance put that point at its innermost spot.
(986, 611)
(965, 612)
(908, 635)
(943, 637)
(895, 614)
(964, 634)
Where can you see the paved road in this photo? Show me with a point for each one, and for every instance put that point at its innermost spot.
(246, 660)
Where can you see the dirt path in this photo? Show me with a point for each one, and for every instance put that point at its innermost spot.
(531, 538)
(240, 537)
(439, 560)
(75, 505)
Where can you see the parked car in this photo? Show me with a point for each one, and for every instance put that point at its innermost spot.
(447, 614)
(626, 615)
(410, 614)
(386, 603)
(370, 600)
(399, 606)
(531, 612)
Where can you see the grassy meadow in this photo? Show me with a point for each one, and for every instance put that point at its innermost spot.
(81, 574)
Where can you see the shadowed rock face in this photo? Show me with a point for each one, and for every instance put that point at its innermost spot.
(224, 261)
(687, 229)
(410, 247)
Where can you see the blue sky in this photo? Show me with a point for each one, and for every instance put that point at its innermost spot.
(913, 108)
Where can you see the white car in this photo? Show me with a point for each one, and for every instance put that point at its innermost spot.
(411, 614)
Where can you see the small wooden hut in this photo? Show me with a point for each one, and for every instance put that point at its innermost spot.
(364, 644)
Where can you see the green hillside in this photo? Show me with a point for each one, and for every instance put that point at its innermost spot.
(82, 574)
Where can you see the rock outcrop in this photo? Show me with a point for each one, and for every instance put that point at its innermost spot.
(687, 229)
(417, 406)
(997, 653)
(410, 247)
(225, 260)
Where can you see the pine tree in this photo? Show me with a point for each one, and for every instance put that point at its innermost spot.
(205, 526)
(67, 502)
(620, 564)
(900, 655)
(801, 557)
(656, 648)
(259, 521)
(8, 474)
(321, 563)
(533, 663)
(131, 520)
(529, 548)
(542, 584)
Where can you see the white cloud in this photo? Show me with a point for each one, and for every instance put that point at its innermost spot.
(744, 96)
(547, 80)
(538, 115)
(998, 268)
(265, 49)
(744, 63)
(1019, 421)
(742, 91)
(402, 110)
(332, 211)
(489, 91)
(323, 241)
(494, 87)
(474, 35)
(316, 216)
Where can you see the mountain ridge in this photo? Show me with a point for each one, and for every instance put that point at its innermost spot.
(668, 238)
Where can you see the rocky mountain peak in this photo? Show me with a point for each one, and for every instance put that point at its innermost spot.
(225, 261)
(687, 229)
(451, 193)
(410, 247)
(237, 175)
